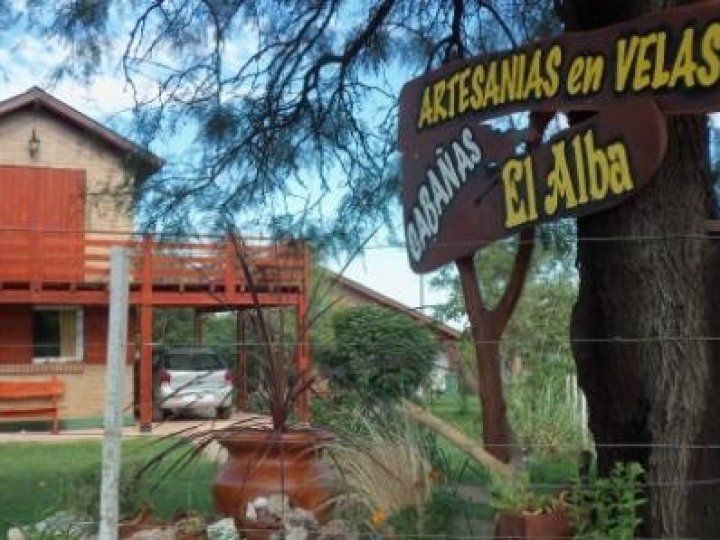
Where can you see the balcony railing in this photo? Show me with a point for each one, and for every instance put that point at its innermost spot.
(42, 258)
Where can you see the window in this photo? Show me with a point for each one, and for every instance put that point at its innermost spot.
(57, 334)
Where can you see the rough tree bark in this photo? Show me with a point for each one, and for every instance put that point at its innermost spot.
(656, 287)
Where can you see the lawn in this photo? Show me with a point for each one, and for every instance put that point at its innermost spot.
(40, 479)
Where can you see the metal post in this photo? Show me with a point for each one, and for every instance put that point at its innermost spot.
(242, 359)
(197, 328)
(116, 354)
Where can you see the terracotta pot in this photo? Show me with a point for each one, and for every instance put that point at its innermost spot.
(263, 462)
(544, 526)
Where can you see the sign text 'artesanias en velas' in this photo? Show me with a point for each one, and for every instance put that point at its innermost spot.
(670, 57)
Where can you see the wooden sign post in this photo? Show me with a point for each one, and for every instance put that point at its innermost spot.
(465, 186)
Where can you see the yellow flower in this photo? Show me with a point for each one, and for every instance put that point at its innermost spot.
(378, 518)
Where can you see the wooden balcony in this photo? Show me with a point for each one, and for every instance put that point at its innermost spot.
(73, 268)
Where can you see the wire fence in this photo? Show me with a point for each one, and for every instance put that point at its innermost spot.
(671, 446)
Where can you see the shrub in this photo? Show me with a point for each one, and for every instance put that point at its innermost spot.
(379, 354)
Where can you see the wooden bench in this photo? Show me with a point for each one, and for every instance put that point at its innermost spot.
(41, 397)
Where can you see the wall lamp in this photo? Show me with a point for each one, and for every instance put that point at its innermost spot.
(34, 145)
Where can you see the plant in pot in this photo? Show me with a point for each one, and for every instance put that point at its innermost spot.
(274, 465)
(524, 513)
(275, 461)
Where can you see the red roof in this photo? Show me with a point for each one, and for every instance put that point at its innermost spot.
(361, 290)
(37, 97)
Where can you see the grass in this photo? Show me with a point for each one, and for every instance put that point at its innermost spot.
(40, 479)
(544, 468)
(465, 416)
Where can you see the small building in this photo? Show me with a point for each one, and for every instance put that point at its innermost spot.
(66, 196)
(344, 291)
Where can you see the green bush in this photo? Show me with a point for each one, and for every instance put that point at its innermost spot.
(379, 354)
(609, 507)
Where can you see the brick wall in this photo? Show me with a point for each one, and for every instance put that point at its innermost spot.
(63, 146)
(84, 389)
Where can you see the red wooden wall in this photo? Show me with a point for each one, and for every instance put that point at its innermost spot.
(15, 334)
(36, 199)
(96, 334)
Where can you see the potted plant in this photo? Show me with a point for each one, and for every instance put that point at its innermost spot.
(272, 460)
(275, 459)
(523, 513)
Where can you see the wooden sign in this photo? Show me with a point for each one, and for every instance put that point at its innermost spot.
(458, 198)
(474, 189)
(672, 56)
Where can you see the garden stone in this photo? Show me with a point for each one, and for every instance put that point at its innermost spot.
(223, 530)
(337, 529)
(61, 524)
(15, 534)
(156, 533)
(278, 504)
(300, 524)
(296, 533)
(250, 512)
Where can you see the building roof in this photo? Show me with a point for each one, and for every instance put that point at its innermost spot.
(145, 161)
(339, 281)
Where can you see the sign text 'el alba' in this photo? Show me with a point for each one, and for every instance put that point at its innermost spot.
(669, 60)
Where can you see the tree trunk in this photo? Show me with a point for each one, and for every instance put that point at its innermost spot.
(648, 298)
(458, 438)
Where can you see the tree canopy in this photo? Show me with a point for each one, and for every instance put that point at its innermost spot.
(289, 107)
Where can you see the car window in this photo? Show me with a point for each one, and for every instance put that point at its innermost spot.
(195, 362)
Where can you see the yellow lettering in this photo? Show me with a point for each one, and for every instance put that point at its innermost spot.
(580, 169)
(515, 212)
(464, 92)
(427, 116)
(626, 51)
(478, 76)
(439, 111)
(594, 69)
(708, 74)
(641, 80)
(530, 188)
(684, 66)
(451, 88)
(620, 177)
(507, 80)
(492, 89)
(552, 63)
(574, 79)
(534, 80)
(597, 168)
(521, 61)
(560, 182)
(661, 76)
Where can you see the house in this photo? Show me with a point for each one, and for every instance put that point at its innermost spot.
(66, 191)
(343, 291)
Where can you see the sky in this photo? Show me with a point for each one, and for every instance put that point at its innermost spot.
(28, 62)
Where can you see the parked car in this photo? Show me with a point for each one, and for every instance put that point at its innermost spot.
(190, 379)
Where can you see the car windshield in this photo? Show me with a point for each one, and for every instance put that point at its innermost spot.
(193, 362)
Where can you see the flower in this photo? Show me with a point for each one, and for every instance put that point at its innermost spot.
(378, 518)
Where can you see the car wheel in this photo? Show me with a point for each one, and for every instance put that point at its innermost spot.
(223, 412)
(159, 414)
